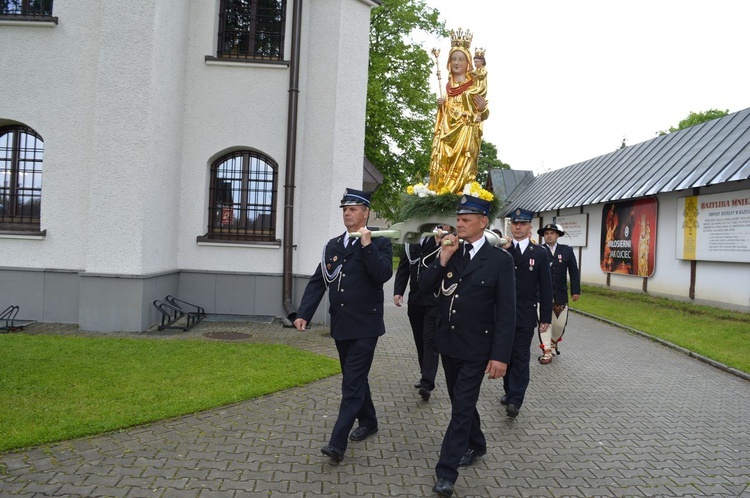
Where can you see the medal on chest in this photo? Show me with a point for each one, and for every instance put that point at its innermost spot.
(531, 264)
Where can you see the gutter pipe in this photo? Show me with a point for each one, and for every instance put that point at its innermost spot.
(291, 161)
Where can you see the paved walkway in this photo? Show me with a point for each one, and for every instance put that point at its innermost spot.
(615, 415)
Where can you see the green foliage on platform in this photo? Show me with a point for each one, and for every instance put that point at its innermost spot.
(413, 206)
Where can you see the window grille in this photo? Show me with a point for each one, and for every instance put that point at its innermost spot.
(26, 7)
(252, 29)
(21, 156)
(242, 198)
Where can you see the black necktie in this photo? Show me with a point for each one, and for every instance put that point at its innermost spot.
(467, 254)
(350, 243)
(517, 254)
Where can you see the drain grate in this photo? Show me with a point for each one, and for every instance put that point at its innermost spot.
(227, 336)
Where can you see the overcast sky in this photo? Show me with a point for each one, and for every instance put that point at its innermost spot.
(568, 80)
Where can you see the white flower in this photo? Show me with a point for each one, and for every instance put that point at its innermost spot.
(421, 190)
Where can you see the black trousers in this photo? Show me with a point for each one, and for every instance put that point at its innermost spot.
(516, 379)
(355, 357)
(464, 380)
(423, 320)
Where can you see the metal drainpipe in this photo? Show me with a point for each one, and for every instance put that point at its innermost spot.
(291, 158)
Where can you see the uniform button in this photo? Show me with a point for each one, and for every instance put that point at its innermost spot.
(456, 296)
(453, 327)
(342, 290)
(453, 311)
(482, 281)
(342, 305)
(486, 331)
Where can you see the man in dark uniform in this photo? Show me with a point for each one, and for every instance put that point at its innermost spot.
(422, 308)
(475, 333)
(533, 288)
(353, 271)
(563, 262)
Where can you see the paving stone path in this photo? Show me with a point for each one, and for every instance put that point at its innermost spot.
(615, 415)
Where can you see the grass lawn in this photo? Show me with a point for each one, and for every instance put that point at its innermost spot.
(54, 388)
(717, 334)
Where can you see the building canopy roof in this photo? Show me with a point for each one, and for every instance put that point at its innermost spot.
(710, 153)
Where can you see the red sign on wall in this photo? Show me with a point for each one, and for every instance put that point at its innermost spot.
(628, 237)
(227, 216)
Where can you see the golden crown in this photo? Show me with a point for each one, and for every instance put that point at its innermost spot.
(461, 38)
(479, 52)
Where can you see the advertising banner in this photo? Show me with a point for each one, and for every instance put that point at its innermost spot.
(628, 237)
(714, 227)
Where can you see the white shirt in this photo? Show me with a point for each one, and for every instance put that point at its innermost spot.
(522, 244)
(475, 246)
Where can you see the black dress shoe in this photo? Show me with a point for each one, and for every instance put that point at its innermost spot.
(470, 456)
(443, 487)
(361, 433)
(333, 452)
(418, 384)
(511, 410)
(504, 399)
(425, 393)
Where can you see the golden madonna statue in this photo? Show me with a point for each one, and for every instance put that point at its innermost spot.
(461, 111)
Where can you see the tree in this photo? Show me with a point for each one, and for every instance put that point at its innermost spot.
(488, 160)
(695, 118)
(400, 106)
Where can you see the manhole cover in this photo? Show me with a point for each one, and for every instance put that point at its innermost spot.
(227, 336)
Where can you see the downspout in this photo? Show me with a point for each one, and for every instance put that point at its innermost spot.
(291, 160)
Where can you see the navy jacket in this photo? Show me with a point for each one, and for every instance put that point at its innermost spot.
(477, 304)
(416, 258)
(563, 262)
(533, 287)
(354, 278)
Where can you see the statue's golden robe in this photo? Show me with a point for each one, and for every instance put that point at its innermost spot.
(458, 137)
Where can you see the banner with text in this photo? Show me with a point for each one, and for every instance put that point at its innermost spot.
(714, 227)
(575, 227)
(628, 237)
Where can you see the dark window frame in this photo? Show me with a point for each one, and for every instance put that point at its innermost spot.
(27, 10)
(21, 201)
(251, 30)
(243, 191)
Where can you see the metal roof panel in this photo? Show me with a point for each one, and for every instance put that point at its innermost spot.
(716, 151)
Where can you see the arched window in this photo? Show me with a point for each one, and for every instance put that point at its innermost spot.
(242, 198)
(252, 29)
(21, 155)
